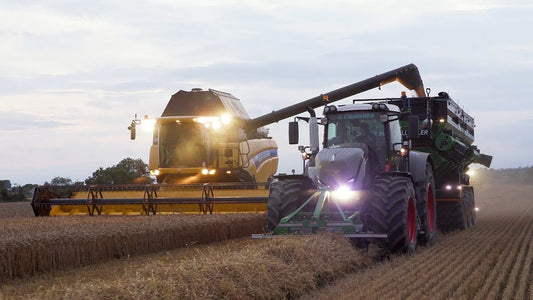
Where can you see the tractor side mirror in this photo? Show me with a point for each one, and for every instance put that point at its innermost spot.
(293, 133)
(413, 127)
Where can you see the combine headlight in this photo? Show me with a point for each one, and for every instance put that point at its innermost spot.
(208, 171)
(225, 119)
(214, 122)
(147, 124)
(344, 194)
(154, 172)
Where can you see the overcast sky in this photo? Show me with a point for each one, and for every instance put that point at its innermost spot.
(74, 73)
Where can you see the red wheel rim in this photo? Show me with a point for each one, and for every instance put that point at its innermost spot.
(411, 220)
(431, 209)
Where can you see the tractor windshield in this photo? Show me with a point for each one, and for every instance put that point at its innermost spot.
(346, 129)
(182, 145)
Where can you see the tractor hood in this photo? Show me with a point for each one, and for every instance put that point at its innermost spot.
(337, 166)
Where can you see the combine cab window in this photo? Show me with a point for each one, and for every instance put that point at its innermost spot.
(181, 145)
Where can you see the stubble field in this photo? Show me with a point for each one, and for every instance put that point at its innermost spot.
(492, 260)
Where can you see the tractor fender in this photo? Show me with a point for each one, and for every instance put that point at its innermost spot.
(417, 165)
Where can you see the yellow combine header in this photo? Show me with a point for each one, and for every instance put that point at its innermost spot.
(150, 199)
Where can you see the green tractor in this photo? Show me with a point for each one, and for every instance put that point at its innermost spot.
(389, 171)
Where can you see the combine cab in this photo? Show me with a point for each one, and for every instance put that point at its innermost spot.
(199, 138)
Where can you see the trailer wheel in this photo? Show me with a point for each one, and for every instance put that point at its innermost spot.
(473, 201)
(471, 208)
(428, 209)
(393, 211)
(453, 215)
(285, 197)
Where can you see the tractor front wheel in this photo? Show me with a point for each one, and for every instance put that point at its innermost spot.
(393, 211)
(285, 197)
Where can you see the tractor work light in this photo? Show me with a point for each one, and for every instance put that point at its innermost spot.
(330, 108)
(379, 107)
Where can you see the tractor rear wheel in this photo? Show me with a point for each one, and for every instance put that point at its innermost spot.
(285, 197)
(427, 208)
(393, 211)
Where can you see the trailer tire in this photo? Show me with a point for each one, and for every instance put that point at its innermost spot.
(469, 197)
(452, 215)
(393, 211)
(473, 201)
(428, 209)
(285, 197)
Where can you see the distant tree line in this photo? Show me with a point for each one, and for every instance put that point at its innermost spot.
(15, 193)
(127, 171)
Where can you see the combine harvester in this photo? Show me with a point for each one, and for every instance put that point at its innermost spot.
(203, 146)
(395, 187)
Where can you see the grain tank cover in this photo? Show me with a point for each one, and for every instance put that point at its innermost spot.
(204, 103)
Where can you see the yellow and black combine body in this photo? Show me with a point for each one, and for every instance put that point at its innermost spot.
(204, 155)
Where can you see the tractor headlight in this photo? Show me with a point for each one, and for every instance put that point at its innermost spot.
(344, 194)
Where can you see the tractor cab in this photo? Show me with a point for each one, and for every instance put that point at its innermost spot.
(370, 130)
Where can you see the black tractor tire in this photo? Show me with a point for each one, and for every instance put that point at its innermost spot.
(393, 211)
(427, 209)
(285, 197)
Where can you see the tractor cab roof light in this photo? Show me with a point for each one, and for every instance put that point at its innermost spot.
(330, 108)
(380, 107)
